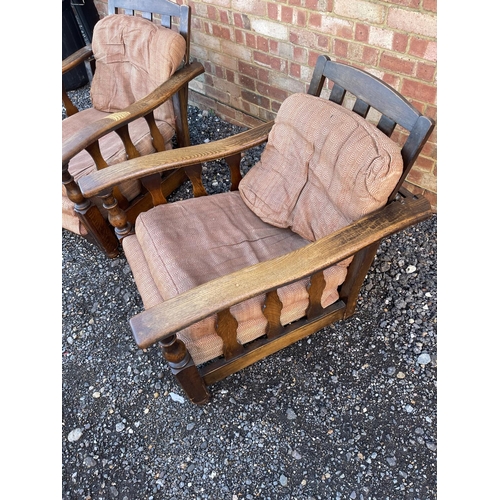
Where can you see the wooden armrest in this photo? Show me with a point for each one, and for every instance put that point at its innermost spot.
(136, 168)
(198, 303)
(138, 109)
(76, 58)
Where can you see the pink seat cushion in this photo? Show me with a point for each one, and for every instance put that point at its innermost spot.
(228, 236)
(323, 168)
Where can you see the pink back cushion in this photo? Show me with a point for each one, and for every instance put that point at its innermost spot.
(323, 167)
(133, 57)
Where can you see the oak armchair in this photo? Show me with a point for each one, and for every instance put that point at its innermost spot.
(231, 278)
(139, 92)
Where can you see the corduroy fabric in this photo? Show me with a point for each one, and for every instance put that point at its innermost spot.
(181, 245)
(323, 168)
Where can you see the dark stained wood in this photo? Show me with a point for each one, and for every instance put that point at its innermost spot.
(184, 370)
(89, 215)
(234, 162)
(168, 160)
(226, 329)
(78, 57)
(194, 174)
(316, 288)
(272, 312)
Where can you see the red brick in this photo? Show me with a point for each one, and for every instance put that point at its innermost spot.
(257, 99)
(315, 20)
(419, 91)
(425, 164)
(299, 54)
(361, 32)
(426, 71)
(300, 18)
(418, 47)
(313, 57)
(430, 5)
(323, 42)
(340, 48)
(272, 92)
(238, 20)
(263, 75)
(221, 32)
(230, 76)
(251, 40)
(239, 36)
(370, 56)
(295, 70)
(400, 42)
(262, 44)
(219, 72)
(247, 82)
(272, 10)
(392, 80)
(224, 16)
(212, 13)
(248, 69)
(295, 2)
(397, 64)
(217, 94)
(286, 14)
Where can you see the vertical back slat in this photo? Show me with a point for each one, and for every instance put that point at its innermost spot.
(361, 108)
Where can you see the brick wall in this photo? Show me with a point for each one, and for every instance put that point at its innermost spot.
(258, 52)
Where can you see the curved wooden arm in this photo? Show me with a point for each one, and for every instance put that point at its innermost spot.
(76, 58)
(136, 168)
(194, 305)
(94, 131)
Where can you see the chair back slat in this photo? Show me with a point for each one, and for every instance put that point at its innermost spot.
(361, 108)
(386, 125)
(337, 94)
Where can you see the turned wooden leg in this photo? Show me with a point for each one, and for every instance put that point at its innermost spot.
(90, 216)
(184, 369)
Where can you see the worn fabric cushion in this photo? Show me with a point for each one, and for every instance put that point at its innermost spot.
(113, 151)
(323, 168)
(133, 57)
(181, 245)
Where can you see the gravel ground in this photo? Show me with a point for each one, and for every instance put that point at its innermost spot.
(349, 413)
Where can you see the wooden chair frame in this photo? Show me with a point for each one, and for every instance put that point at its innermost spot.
(175, 88)
(360, 239)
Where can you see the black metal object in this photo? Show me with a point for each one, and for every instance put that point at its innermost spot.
(87, 16)
(72, 40)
